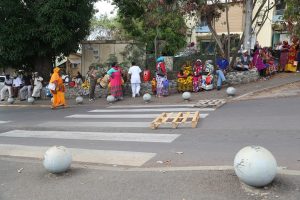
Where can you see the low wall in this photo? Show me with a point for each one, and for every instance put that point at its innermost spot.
(235, 78)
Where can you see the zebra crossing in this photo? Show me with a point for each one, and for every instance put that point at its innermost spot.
(4, 122)
(139, 117)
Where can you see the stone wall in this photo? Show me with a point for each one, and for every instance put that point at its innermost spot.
(235, 78)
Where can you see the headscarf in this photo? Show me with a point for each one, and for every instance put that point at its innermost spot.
(160, 59)
(55, 75)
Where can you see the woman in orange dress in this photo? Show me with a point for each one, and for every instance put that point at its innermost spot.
(59, 92)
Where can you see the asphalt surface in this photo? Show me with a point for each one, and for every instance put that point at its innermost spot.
(83, 183)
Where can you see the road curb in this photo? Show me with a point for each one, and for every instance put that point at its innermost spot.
(261, 90)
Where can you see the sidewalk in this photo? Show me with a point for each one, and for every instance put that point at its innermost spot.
(276, 81)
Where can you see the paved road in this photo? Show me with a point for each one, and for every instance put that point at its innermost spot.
(119, 138)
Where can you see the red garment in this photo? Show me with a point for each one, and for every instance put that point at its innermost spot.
(162, 66)
(197, 69)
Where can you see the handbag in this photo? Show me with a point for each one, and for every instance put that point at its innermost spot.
(51, 86)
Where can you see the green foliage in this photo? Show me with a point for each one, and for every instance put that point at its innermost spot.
(146, 20)
(292, 15)
(105, 28)
(134, 53)
(112, 59)
(44, 28)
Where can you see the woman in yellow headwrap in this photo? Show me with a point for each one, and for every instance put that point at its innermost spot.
(59, 91)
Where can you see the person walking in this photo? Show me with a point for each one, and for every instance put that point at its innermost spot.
(135, 79)
(161, 77)
(59, 89)
(115, 74)
(26, 90)
(37, 85)
(7, 87)
(92, 74)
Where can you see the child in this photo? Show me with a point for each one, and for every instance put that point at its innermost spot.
(153, 85)
(180, 81)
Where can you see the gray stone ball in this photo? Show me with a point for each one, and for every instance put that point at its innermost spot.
(255, 166)
(110, 99)
(147, 97)
(186, 95)
(10, 100)
(57, 159)
(30, 100)
(231, 91)
(79, 100)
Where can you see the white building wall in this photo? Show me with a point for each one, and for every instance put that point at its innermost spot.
(264, 37)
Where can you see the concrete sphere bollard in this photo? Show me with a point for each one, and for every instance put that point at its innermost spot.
(10, 100)
(57, 159)
(79, 100)
(255, 166)
(147, 97)
(110, 99)
(30, 100)
(231, 91)
(186, 95)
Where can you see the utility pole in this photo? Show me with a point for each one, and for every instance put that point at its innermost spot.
(248, 25)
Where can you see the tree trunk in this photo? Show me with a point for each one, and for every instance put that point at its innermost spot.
(228, 33)
(155, 44)
(215, 35)
(248, 25)
(43, 65)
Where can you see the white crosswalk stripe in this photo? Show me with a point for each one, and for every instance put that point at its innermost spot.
(4, 122)
(104, 136)
(120, 116)
(95, 124)
(153, 110)
(81, 155)
(153, 106)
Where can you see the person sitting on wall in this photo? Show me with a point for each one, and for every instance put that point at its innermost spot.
(243, 62)
(181, 81)
(222, 65)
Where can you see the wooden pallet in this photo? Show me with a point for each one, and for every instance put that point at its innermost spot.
(176, 119)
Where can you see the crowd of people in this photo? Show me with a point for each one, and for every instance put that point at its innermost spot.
(22, 85)
(267, 61)
(191, 77)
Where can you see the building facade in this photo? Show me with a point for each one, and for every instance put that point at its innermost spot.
(268, 29)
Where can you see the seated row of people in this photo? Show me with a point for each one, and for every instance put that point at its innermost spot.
(22, 86)
(201, 76)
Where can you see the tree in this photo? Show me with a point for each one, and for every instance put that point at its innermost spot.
(34, 32)
(292, 15)
(105, 28)
(156, 23)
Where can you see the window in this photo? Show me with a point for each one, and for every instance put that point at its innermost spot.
(74, 65)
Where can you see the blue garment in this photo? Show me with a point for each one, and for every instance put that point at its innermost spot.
(221, 77)
(222, 63)
(160, 59)
(112, 70)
